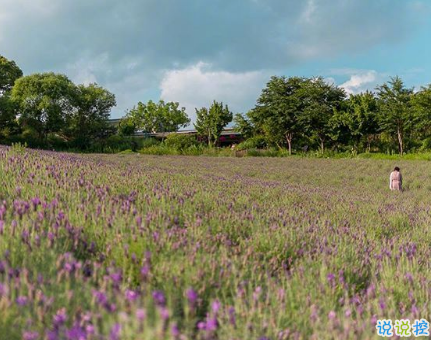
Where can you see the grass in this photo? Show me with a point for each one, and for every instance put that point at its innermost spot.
(138, 246)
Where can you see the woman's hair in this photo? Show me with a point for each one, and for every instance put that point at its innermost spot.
(396, 169)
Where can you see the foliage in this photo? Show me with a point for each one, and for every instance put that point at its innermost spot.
(45, 102)
(157, 117)
(361, 117)
(278, 109)
(126, 127)
(181, 141)
(244, 126)
(9, 73)
(90, 120)
(396, 114)
(48, 111)
(211, 122)
(320, 100)
(256, 142)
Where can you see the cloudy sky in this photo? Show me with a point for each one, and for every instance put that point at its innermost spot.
(195, 51)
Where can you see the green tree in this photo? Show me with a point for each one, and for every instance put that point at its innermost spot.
(211, 122)
(158, 117)
(45, 102)
(320, 101)
(361, 117)
(126, 127)
(90, 120)
(396, 115)
(278, 109)
(421, 102)
(9, 73)
(244, 126)
(8, 123)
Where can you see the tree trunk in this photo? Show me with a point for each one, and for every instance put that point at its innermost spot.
(400, 142)
(369, 139)
(289, 137)
(322, 145)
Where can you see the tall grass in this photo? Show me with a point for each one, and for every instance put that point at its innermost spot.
(149, 247)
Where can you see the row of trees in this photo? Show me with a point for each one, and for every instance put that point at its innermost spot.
(290, 112)
(169, 117)
(312, 111)
(44, 105)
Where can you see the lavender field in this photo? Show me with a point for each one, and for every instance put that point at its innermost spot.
(135, 247)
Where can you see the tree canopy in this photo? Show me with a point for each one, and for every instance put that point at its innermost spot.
(45, 101)
(211, 122)
(9, 73)
(158, 117)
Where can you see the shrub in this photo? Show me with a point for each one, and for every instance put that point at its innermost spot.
(181, 142)
(257, 142)
(159, 150)
(147, 142)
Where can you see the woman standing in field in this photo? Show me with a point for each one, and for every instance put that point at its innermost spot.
(396, 180)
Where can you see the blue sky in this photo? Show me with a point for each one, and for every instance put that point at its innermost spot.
(196, 51)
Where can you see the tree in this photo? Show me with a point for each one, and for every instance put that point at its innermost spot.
(244, 126)
(362, 117)
(421, 102)
(320, 100)
(126, 127)
(45, 101)
(396, 115)
(278, 109)
(90, 120)
(8, 123)
(211, 122)
(9, 73)
(158, 117)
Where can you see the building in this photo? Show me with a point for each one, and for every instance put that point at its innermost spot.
(228, 136)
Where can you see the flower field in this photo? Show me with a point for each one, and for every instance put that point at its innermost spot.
(134, 247)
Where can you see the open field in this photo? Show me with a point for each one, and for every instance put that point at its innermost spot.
(143, 247)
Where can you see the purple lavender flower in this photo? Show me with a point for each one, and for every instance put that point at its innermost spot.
(192, 296)
(60, 318)
(140, 314)
(215, 306)
(76, 333)
(211, 324)
(22, 300)
(30, 336)
(159, 298)
(131, 295)
(115, 332)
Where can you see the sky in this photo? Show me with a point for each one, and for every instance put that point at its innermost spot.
(197, 51)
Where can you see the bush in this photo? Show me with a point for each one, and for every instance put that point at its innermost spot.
(56, 142)
(257, 142)
(159, 150)
(426, 144)
(147, 142)
(181, 142)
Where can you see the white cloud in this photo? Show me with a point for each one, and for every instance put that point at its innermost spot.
(85, 70)
(361, 81)
(198, 85)
(309, 11)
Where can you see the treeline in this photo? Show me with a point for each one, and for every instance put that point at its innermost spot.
(48, 110)
(297, 112)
